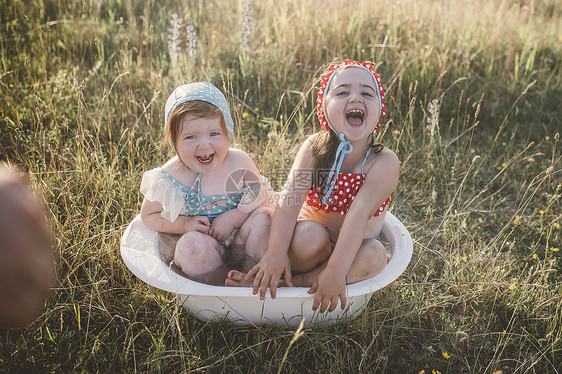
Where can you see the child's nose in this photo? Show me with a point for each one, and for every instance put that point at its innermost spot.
(355, 97)
(204, 142)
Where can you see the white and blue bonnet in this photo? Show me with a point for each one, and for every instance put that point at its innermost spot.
(203, 91)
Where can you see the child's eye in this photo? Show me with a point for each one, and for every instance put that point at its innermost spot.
(368, 94)
(215, 133)
(341, 93)
(190, 137)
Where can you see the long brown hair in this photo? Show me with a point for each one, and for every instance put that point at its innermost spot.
(323, 149)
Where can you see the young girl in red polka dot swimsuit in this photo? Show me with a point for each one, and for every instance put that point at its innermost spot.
(327, 220)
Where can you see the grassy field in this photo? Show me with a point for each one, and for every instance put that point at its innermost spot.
(474, 96)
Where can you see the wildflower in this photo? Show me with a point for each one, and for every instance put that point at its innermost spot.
(553, 249)
(541, 211)
(472, 151)
(246, 33)
(480, 220)
(547, 137)
(504, 165)
(516, 219)
(435, 372)
(504, 143)
(434, 107)
(174, 41)
(512, 286)
(256, 109)
(556, 226)
(535, 256)
(446, 355)
(244, 115)
(191, 45)
(11, 85)
(531, 159)
(396, 132)
(432, 126)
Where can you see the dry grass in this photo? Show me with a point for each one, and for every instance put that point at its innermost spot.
(83, 89)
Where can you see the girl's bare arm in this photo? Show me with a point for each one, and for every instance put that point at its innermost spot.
(276, 260)
(152, 218)
(381, 179)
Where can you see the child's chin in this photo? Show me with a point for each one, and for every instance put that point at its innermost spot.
(355, 130)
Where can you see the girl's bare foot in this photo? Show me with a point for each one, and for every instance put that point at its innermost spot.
(236, 279)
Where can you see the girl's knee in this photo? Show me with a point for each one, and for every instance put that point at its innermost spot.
(374, 251)
(310, 246)
(261, 217)
(197, 253)
(259, 220)
(253, 236)
(369, 261)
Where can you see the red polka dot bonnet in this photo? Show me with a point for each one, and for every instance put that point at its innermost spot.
(325, 85)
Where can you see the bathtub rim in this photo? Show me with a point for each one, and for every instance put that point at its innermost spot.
(148, 266)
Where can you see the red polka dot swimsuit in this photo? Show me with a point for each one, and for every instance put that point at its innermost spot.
(343, 194)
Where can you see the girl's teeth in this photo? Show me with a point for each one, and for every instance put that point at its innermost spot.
(355, 117)
(205, 159)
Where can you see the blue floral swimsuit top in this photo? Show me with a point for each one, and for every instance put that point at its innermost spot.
(158, 185)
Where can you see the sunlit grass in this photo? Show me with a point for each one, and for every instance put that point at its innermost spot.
(83, 89)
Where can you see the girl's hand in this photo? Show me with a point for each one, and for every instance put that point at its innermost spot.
(328, 287)
(268, 273)
(222, 227)
(197, 223)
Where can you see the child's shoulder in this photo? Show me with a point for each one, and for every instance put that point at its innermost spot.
(171, 165)
(308, 142)
(385, 158)
(388, 153)
(239, 158)
(177, 169)
(311, 139)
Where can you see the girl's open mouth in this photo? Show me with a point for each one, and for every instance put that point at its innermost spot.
(354, 117)
(206, 159)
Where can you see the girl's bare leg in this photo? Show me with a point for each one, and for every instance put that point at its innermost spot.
(369, 261)
(198, 253)
(250, 244)
(253, 235)
(309, 248)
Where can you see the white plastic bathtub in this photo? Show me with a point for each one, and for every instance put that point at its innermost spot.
(140, 252)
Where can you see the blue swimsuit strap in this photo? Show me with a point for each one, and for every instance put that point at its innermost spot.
(344, 148)
(365, 160)
(199, 192)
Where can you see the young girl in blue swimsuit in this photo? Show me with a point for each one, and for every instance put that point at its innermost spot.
(345, 181)
(210, 193)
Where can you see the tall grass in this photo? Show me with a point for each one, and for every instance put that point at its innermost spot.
(83, 88)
